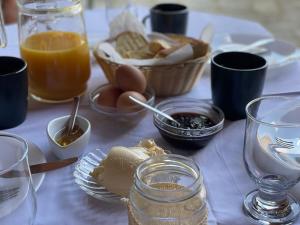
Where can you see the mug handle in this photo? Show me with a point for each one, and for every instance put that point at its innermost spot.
(145, 19)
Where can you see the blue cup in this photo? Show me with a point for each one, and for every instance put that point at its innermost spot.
(13, 91)
(236, 79)
(168, 18)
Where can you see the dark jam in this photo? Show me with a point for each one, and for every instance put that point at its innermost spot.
(187, 139)
(190, 120)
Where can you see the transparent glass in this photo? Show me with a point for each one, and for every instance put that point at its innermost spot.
(272, 158)
(116, 7)
(17, 197)
(167, 190)
(53, 41)
(3, 38)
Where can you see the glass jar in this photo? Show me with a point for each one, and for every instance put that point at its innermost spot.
(167, 190)
(53, 42)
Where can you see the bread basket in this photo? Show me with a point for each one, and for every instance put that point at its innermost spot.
(165, 80)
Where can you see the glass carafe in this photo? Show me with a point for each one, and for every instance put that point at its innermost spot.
(53, 42)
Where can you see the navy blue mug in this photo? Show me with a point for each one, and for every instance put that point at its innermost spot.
(168, 18)
(13, 91)
(236, 79)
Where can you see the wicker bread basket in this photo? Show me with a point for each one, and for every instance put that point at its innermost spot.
(166, 80)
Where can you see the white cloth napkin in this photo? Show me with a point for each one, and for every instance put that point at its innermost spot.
(181, 54)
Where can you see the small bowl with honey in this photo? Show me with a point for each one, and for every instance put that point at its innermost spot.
(68, 145)
(198, 121)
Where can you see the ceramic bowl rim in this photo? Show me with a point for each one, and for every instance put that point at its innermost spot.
(109, 111)
(82, 118)
(216, 128)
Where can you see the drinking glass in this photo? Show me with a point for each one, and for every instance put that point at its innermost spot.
(272, 158)
(53, 43)
(17, 197)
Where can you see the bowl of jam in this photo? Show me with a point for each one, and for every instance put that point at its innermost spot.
(197, 122)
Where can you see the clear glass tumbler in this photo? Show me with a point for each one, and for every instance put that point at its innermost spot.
(167, 190)
(53, 42)
(17, 196)
(272, 159)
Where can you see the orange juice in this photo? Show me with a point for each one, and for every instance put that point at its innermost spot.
(58, 64)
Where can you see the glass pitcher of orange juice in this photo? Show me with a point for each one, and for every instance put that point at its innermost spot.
(53, 42)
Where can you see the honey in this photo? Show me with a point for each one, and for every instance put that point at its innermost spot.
(64, 139)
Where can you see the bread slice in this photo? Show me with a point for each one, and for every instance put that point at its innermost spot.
(130, 41)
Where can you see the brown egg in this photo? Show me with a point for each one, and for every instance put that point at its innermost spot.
(124, 103)
(109, 96)
(130, 78)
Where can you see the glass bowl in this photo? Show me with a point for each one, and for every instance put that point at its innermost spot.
(188, 138)
(116, 114)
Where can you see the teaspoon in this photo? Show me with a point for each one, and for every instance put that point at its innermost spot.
(71, 121)
(153, 109)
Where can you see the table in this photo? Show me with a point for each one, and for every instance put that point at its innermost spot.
(61, 201)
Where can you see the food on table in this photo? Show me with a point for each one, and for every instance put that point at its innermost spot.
(135, 46)
(130, 78)
(188, 120)
(169, 70)
(157, 45)
(139, 54)
(124, 103)
(130, 82)
(130, 42)
(167, 51)
(64, 139)
(199, 121)
(116, 172)
(58, 64)
(151, 146)
(109, 96)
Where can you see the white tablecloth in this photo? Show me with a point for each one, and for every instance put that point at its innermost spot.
(59, 199)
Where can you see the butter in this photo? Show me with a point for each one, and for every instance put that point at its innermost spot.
(116, 172)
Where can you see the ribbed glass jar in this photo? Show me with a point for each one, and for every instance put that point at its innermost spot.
(167, 190)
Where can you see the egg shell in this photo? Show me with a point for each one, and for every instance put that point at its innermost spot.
(130, 78)
(109, 96)
(125, 104)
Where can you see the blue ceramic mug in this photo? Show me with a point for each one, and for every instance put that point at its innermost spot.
(236, 79)
(168, 18)
(13, 91)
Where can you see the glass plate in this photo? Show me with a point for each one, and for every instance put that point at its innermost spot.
(87, 183)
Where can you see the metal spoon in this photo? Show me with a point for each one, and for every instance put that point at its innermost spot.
(72, 118)
(153, 109)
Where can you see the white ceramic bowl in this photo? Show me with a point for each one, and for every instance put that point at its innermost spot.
(76, 148)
